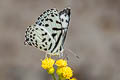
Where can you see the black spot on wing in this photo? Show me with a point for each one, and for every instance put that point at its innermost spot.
(51, 20)
(54, 34)
(30, 44)
(49, 39)
(30, 36)
(38, 18)
(31, 39)
(46, 25)
(45, 16)
(67, 21)
(43, 45)
(52, 9)
(42, 29)
(44, 34)
(34, 34)
(36, 22)
(46, 19)
(48, 10)
(40, 24)
(46, 43)
(33, 43)
(27, 39)
(44, 12)
(43, 39)
(41, 15)
(62, 19)
(50, 46)
(36, 28)
(48, 14)
(52, 15)
(58, 22)
(32, 29)
(45, 49)
(40, 47)
(60, 48)
(56, 14)
(42, 20)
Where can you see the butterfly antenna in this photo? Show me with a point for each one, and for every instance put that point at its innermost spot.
(73, 53)
(72, 58)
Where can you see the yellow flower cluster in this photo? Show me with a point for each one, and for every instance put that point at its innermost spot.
(62, 71)
(65, 72)
(73, 79)
(47, 64)
(61, 63)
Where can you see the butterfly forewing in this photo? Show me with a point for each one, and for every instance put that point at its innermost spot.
(65, 19)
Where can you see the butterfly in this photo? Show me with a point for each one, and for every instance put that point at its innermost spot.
(49, 32)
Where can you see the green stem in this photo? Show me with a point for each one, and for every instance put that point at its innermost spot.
(53, 76)
(59, 77)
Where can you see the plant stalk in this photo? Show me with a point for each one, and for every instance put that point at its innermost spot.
(53, 75)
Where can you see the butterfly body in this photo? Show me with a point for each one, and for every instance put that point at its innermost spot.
(49, 31)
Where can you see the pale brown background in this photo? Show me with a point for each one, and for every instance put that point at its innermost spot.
(94, 35)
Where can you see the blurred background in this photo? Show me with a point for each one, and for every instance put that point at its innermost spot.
(94, 35)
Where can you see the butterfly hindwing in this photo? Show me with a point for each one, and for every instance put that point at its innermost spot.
(50, 20)
(38, 37)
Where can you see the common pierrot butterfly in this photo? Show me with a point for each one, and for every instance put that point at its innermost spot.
(49, 31)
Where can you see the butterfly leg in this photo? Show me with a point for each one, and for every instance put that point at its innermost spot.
(60, 54)
(48, 55)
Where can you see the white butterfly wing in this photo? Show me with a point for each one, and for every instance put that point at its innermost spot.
(38, 37)
(48, 33)
(50, 21)
(65, 19)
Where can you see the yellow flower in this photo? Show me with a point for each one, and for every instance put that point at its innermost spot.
(59, 71)
(47, 63)
(61, 63)
(67, 72)
(73, 79)
(51, 70)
